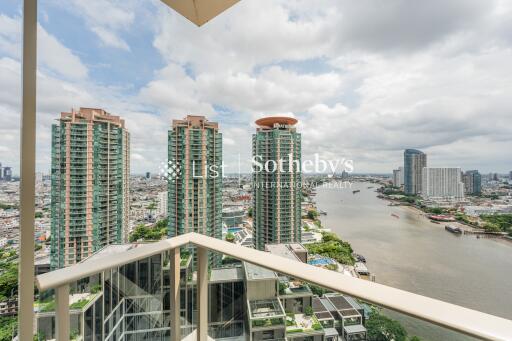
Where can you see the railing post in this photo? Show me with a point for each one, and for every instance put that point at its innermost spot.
(202, 294)
(62, 313)
(175, 262)
(27, 172)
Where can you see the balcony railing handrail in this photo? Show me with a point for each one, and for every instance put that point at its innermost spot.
(57, 278)
(457, 318)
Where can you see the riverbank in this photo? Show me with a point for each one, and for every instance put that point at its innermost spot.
(442, 216)
(416, 255)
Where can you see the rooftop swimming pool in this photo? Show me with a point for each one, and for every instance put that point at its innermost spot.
(321, 261)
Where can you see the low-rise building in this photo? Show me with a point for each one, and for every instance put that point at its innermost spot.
(246, 302)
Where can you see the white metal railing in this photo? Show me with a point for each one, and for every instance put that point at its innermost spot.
(457, 318)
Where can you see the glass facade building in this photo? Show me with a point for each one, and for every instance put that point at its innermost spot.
(89, 184)
(277, 181)
(414, 162)
(472, 182)
(245, 303)
(195, 178)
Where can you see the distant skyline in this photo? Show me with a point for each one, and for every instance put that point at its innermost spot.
(361, 89)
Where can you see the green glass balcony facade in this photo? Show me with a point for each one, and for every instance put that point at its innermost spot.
(277, 186)
(195, 186)
(90, 180)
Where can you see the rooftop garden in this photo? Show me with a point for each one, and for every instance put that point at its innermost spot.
(156, 232)
(266, 313)
(293, 288)
(77, 302)
(269, 322)
(302, 323)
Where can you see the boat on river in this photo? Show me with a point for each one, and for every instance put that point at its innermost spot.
(395, 215)
(356, 191)
(453, 229)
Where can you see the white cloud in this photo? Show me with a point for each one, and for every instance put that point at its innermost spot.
(52, 54)
(109, 38)
(10, 29)
(106, 18)
(249, 34)
(273, 89)
(364, 79)
(59, 58)
(174, 93)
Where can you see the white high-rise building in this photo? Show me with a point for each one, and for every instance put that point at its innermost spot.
(401, 169)
(162, 204)
(397, 177)
(442, 183)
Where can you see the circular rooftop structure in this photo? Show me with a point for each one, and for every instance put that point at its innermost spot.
(271, 121)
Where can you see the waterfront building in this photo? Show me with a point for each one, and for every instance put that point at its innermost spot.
(442, 184)
(277, 180)
(472, 182)
(195, 177)
(162, 204)
(397, 177)
(90, 194)
(401, 169)
(414, 162)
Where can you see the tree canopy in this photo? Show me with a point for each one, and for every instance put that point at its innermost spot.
(143, 233)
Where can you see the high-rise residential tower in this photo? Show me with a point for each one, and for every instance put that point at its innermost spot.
(414, 162)
(442, 183)
(277, 180)
(90, 184)
(472, 182)
(195, 177)
(397, 176)
(7, 174)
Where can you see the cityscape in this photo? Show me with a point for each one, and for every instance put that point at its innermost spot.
(187, 226)
(90, 205)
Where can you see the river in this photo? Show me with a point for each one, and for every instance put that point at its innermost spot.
(413, 254)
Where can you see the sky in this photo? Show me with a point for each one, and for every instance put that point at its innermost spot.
(366, 79)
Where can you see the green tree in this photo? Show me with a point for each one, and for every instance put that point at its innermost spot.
(157, 232)
(8, 281)
(250, 212)
(436, 210)
(497, 222)
(308, 311)
(8, 325)
(312, 214)
(230, 237)
(333, 247)
(317, 290)
(382, 328)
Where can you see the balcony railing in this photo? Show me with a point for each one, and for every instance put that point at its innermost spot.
(457, 318)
